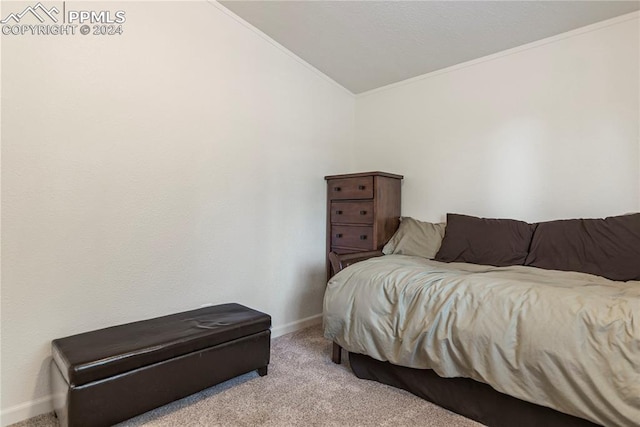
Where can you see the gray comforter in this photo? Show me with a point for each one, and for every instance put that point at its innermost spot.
(569, 341)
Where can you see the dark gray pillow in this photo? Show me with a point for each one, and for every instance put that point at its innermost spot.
(607, 247)
(498, 242)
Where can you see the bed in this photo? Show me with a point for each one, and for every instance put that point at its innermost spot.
(505, 322)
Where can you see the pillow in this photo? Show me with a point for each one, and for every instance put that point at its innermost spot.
(607, 247)
(498, 242)
(416, 238)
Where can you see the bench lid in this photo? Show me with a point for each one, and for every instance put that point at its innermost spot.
(100, 354)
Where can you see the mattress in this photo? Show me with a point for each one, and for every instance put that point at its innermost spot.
(569, 341)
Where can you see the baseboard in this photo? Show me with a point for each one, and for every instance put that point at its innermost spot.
(43, 405)
(26, 410)
(297, 325)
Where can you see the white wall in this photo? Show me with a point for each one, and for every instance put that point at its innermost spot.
(548, 130)
(179, 164)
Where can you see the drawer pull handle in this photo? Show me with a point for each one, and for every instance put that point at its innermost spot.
(363, 212)
(363, 237)
(361, 187)
(338, 212)
(339, 235)
(337, 189)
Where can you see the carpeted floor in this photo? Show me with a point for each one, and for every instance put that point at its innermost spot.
(303, 388)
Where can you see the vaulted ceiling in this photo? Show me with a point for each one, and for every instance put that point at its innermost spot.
(364, 45)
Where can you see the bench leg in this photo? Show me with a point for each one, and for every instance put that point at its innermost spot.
(262, 371)
(336, 356)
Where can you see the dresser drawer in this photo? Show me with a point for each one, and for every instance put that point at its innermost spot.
(352, 212)
(351, 188)
(342, 251)
(352, 236)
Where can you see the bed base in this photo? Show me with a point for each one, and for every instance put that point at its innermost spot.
(464, 396)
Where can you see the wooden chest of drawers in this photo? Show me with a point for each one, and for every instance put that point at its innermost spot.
(363, 211)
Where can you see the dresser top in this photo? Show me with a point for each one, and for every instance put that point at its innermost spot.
(362, 174)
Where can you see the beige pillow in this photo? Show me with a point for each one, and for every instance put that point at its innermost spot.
(416, 238)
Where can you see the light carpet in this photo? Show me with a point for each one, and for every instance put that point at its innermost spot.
(303, 388)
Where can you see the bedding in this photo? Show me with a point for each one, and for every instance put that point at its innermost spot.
(488, 241)
(417, 238)
(608, 247)
(566, 340)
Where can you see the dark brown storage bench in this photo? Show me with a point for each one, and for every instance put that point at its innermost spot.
(102, 377)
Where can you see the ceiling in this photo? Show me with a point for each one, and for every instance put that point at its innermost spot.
(364, 45)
